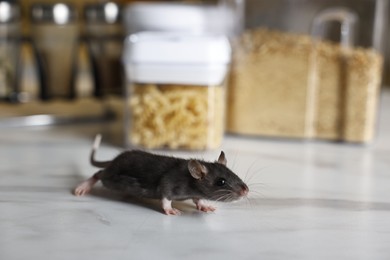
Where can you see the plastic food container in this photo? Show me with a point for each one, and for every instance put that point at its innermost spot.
(308, 69)
(195, 17)
(176, 89)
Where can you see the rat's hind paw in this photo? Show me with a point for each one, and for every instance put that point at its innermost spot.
(86, 186)
(83, 188)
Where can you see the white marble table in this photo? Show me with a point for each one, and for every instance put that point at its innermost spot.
(309, 200)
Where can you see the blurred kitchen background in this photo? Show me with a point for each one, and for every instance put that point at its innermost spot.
(284, 68)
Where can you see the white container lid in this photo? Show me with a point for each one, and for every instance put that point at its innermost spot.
(166, 57)
(177, 17)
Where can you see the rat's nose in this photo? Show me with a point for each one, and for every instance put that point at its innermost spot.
(244, 190)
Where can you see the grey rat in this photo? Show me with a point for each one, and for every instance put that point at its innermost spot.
(147, 175)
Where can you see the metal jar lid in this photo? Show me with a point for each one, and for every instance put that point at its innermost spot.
(108, 12)
(9, 12)
(59, 13)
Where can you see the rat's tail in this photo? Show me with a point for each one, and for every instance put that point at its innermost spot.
(96, 144)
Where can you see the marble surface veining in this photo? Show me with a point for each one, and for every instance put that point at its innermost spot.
(308, 200)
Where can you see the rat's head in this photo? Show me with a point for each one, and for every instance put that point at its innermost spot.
(216, 181)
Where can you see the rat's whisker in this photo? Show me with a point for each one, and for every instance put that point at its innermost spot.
(249, 169)
(224, 197)
(257, 185)
(222, 191)
(256, 173)
(256, 195)
(219, 198)
(234, 162)
(254, 202)
(248, 202)
(247, 179)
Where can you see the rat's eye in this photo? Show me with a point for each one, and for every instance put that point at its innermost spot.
(220, 182)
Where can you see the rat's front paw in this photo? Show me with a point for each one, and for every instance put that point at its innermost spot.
(206, 208)
(167, 206)
(172, 211)
(200, 205)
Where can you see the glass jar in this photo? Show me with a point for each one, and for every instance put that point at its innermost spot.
(105, 42)
(10, 49)
(308, 69)
(176, 89)
(55, 36)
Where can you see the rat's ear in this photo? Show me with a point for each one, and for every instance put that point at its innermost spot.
(222, 158)
(197, 170)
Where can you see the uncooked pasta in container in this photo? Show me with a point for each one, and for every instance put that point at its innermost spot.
(176, 90)
(295, 75)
